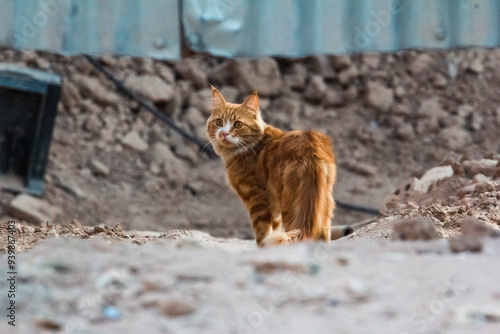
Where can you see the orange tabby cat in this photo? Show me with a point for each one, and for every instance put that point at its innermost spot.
(285, 179)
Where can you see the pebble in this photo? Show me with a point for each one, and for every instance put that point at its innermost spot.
(379, 96)
(98, 168)
(134, 141)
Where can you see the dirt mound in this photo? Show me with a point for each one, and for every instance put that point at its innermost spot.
(28, 236)
(463, 187)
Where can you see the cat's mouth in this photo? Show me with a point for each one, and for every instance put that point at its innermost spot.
(226, 142)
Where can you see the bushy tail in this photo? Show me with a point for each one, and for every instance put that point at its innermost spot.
(306, 199)
(281, 238)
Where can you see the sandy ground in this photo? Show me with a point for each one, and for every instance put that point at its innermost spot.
(195, 285)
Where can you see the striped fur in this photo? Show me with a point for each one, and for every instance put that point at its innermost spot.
(285, 179)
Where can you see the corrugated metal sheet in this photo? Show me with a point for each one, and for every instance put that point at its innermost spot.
(134, 27)
(297, 28)
(253, 28)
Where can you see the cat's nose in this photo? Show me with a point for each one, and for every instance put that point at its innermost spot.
(223, 134)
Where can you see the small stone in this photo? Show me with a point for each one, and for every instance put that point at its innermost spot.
(467, 243)
(465, 110)
(151, 87)
(400, 109)
(287, 106)
(134, 141)
(420, 64)
(440, 81)
(202, 100)
(322, 66)
(458, 169)
(450, 158)
(491, 155)
(98, 168)
(82, 65)
(472, 233)
(430, 108)
(154, 169)
(472, 153)
(315, 89)
(466, 190)
(51, 325)
(346, 76)
(414, 229)
(28, 56)
(93, 124)
(261, 74)
(483, 166)
(455, 138)
(350, 94)
(485, 187)
(189, 68)
(476, 121)
(360, 168)
(295, 77)
(405, 132)
(476, 66)
(165, 72)
(187, 151)
(372, 60)
(88, 107)
(145, 65)
(33, 210)
(379, 96)
(399, 91)
(92, 88)
(177, 307)
(160, 153)
(109, 61)
(70, 96)
(340, 62)
(332, 98)
(194, 117)
(432, 176)
(476, 226)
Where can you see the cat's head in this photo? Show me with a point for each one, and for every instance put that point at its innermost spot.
(234, 128)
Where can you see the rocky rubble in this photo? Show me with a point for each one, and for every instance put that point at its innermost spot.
(465, 189)
(390, 116)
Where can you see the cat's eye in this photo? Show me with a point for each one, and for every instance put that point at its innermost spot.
(219, 122)
(238, 125)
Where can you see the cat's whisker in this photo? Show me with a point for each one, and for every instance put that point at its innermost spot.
(209, 142)
(247, 146)
(241, 148)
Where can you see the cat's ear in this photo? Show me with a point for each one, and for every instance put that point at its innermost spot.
(252, 102)
(218, 99)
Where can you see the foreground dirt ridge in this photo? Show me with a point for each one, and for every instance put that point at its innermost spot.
(186, 286)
